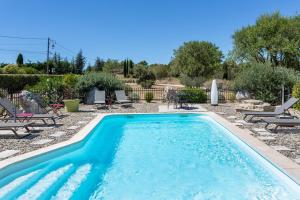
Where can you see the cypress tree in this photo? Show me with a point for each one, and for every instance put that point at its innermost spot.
(124, 68)
(20, 60)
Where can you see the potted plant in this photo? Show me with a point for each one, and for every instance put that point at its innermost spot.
(71, 100)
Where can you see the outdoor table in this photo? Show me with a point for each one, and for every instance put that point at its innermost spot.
(182, 100)
(56, 108)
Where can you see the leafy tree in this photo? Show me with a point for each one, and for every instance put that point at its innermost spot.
(273, 38)
(139, 70)
(80, 61)
(146, 79)
(112, 66)
(229, 69)
(20, 60)
(58, 65)
(89, 68)
(264, 82)
(143, 62)
(39, 66)
(160, 70)
(72, 66)
(99, 64)
(197, 59)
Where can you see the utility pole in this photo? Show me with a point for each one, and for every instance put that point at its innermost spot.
(48, 52)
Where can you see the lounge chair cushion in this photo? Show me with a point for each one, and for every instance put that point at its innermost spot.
(14, 125)
(278, 121)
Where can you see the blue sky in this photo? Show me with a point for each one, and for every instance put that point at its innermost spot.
(137, 29)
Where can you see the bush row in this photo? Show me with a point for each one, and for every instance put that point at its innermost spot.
(264, 82)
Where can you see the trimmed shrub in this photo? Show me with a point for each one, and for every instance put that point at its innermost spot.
(296, 93)
(29, 70)
(14, 69)
(15, 83)
(101, 80)
(134, 97)
(51, 89)
(69, 83)
(265, 82)
(193, 95)
(148, 97)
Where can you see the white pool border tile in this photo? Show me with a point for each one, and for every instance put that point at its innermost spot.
(285, 164)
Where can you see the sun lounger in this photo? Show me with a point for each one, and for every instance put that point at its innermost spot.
(121, 97)
(13, 126)
(14, 113)
(99, 97)
(283, 109)
(281, 122)
(54, 108)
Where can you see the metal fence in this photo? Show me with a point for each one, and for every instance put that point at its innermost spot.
(15, 98)
(159, 94)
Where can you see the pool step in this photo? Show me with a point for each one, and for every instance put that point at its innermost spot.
(15, 183)
(67, 190)
(43, 184)
(34, 180)
(94, 177)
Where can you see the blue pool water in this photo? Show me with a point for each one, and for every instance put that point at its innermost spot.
(174, 156)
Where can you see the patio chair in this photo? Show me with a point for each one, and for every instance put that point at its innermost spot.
(13, 126)
(99, 97)
(281, 122)
(48, 108)
(122, 98)
(13, 113)
(283, 109)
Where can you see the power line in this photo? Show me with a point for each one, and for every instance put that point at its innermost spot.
(73, 53)
(19, 44)
(66, 49)
(50, 42)
(22, 38)
(23, 51)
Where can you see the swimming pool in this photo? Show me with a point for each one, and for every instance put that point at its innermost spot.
(153, 156)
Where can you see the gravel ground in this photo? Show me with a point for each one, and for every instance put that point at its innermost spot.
(86, 114)
(288, 137)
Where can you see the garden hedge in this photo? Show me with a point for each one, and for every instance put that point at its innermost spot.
(14, 83)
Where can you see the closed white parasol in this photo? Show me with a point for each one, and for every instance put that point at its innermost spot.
(214, 93)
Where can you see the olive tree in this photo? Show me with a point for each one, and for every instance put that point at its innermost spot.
(273, 38)
(197, 59)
